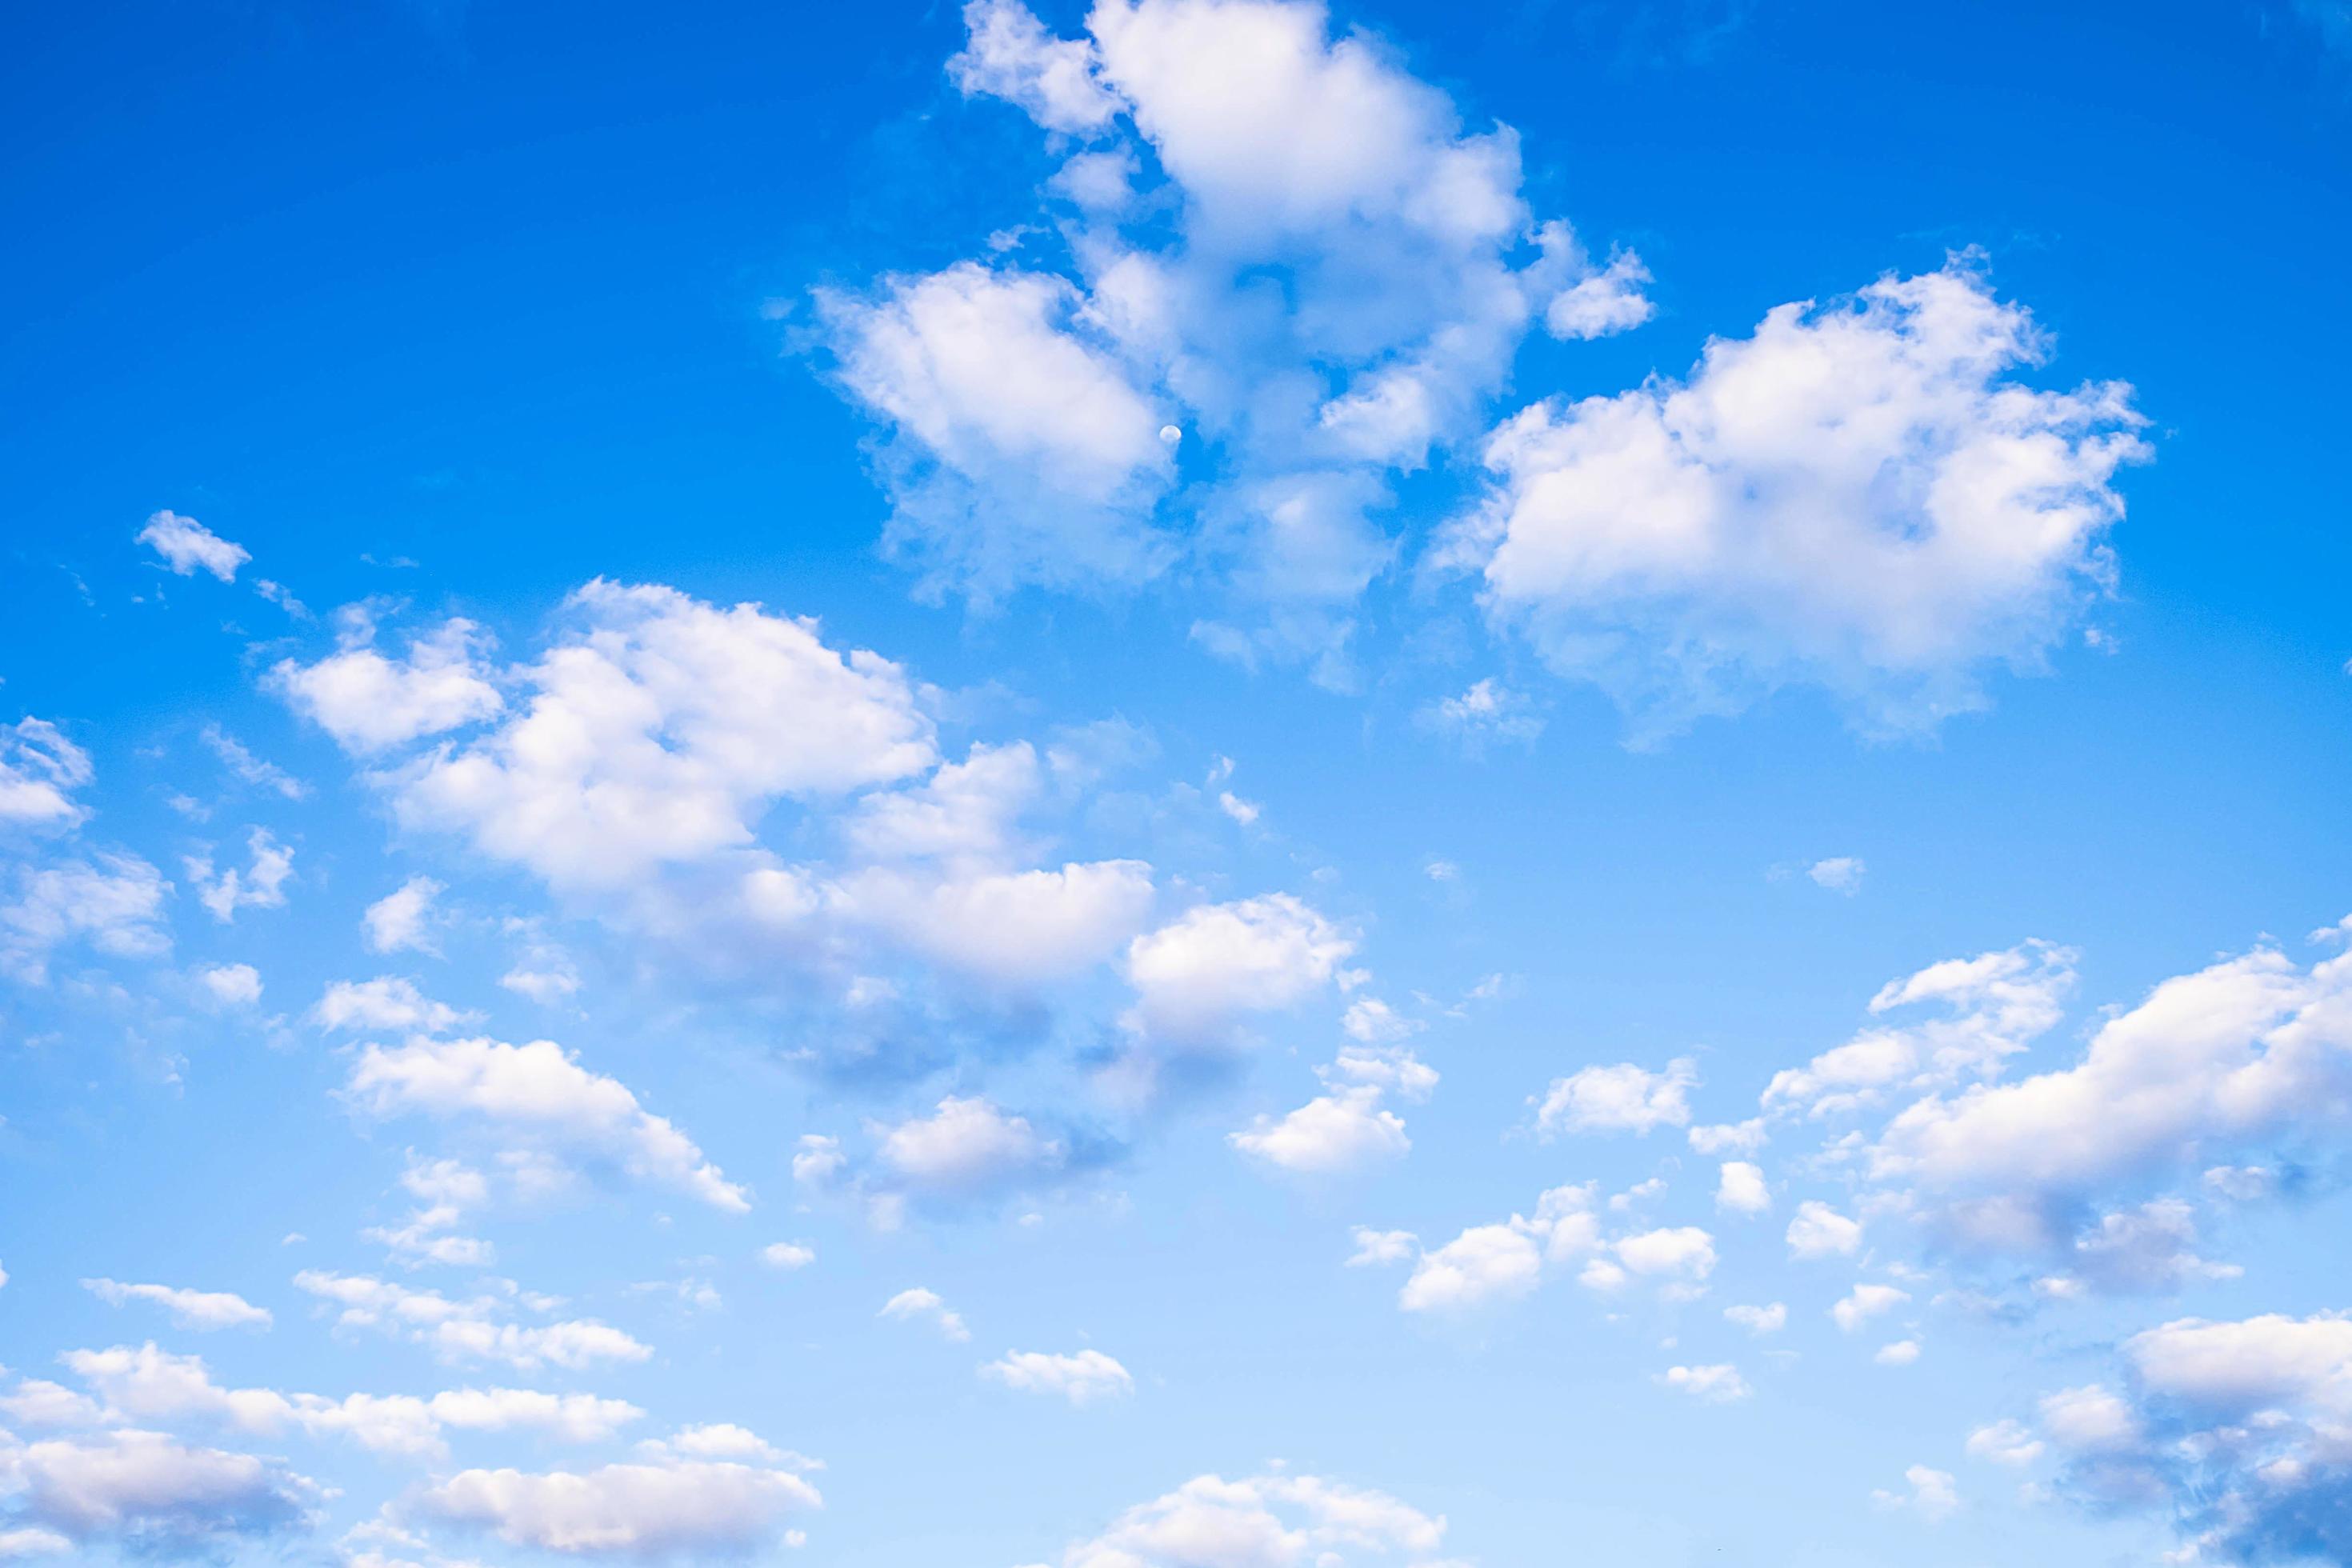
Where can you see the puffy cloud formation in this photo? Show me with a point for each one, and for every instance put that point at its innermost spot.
(1621, 1099)
(1719, 1383)
(1865, 1302)
(1741, 1188)
(480, 1329)
(1934, 1494)
(189, 1309)
(188, 547)
(967, 1145)
(1197, 977)
(1819, 1231)
(370, 703)
(1492, 1263)
(1860, 495)
(692, 1508)
(918, 1302)
(1339, 296)
(1263, 1521)
(1993, 1006)
(2244, 1050)
(260, 886)
(540, 1092)
(2237, 1429)
(1331, 1133)
(231, 984)
(391, 1003)
(403, 919)
(660, 731)
(149, 1492)
(39, 771)
(1081, 1378)
(112, 903)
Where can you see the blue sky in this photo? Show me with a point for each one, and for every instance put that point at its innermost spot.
(1209, 786)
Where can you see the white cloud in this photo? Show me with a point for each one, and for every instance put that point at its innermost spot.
(251, 769)
(480, 1329)
(1729, 1138)
(403, 919)
(189, 1309)
(1621, 1099)
(2089, 1417)
(1370, 1021)
(539, 1092)
(39, 771)
(1380, 1247)
(2246, 1048)
(1758, 1321)
(1865, 1302)
(1933, 1495)
(1279, 1521)
(1717, 1384)
(389, 1002)
(1485, 1263)
(113, 903)
(370, 703)
(188, 547)
(2005, 1443)
(788, 1255)
(1992, 1006)
(918, 1302)
(152, 1490)
(1741, 1188)
(1195, 976)
(1011, 56)
(232, 985)
(1860, 495)
(967, 1145)
(1486, 712)
(1603, 303)
(699, 1510)
(1679, 1252)
(1081, 1378)
(660, 731)
(1017, 927)
(260, 886)
(1902, 1353)
(1332, 1133)
(1838, 874)
(1819, 1231)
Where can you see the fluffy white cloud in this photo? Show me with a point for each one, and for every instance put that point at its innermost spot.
(1865, 1302)
(2005, 1442)
(1991, 1007)
(152, 1492)
(403, 918)
(1195, 976)
(660, 731)
(1819, 1231)
(918, 1302)
(370, 703)
(1741, 1188)
(1902, 1353)
(391, 1003)
(967, 1145)
(1081, 1378)
(1838, 874)
(1339, 295)
(1375, 1248)
(2246, 1048)
(39, 771)
(1933, 1496)
(538, 1092)
(1678, 1252)
(1769, 1320)
(1019, 928)
(788, 1255)
(189, 1309)
(1621, 1099)
(112, 903)
(480, 1329)
(694, 1509)
(1331, 1133)
(1717, 1385)
(188, 547)
(232, 985)
(1261, 1522)
(1860, 495)
(1485, 1262)
(260, 886)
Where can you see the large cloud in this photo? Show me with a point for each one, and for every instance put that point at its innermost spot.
(1860, 494)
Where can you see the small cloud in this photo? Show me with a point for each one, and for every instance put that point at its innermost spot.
(1840, 874)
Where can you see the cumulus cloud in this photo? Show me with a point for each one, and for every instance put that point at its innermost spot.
(1334, 295)
(232, 985)
(1934, 1495)
(967, 1145)
(538, 1092)
(1865, 1302)
(403, 919)
(370, 703)
(1195, 977)
(188, 547)
(1741, 1188)
(1819, 1231)
(480, 1329)
(39, 771)
(686, 1509)
(918, 1302)
(1493, 1263)
(112, 903)
(390, 1003)
(188, 1309)
(1860, 495)
(1760, 1320)
(1715, 1384)
(1331, 1133)
(151, 1493)
(1278, 1520)
(1621, 1098)
(1081, 1378)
